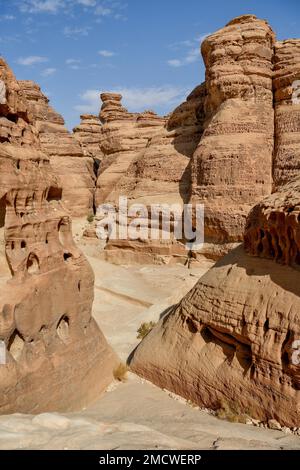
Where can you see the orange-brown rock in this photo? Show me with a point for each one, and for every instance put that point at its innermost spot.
(231, 340)
(273, 226)
(235, 335)
(124, 136)
(286, 84)
(75, 170)
(55, 357)
(232, 166)
(88, 134)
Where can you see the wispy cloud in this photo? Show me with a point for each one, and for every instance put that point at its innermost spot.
(41, 6)
(135, 98)
(190, 51)
(76, 32)
(31, 60)
(47, 72)
(105, 53)
(7, 17)
(87, 3)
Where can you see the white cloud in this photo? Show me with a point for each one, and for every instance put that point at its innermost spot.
(73, 32)
(72, 61)
(135, 99)
(191, 52)
(103, 11)
(31, 60)
(105, 53)
(7, 17)
(47, 72)
(87, 3)
(41, 6)
(174, 62)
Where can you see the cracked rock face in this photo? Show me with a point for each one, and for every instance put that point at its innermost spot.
(56, 357)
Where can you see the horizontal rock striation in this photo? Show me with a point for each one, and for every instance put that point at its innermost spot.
(53, 355)
(286, 84)
(75, 170)
(273, 226)
(232, 166)
(231, 340)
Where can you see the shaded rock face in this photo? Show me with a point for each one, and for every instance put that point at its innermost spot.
(273, 226)
(74, 168)
(287, 111)
(56, 358)
(232, 166)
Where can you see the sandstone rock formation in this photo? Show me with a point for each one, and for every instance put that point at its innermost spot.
(286, 84)
(56, 358)
(232, 166)
(124, 136)
(273, 228)
(88, 134)
(75, 170)
(234, 335)
(217, 148)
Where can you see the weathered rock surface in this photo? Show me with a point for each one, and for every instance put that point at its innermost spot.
(232, 166)
(147, 158)
(88, 134)
(230, 339)
(286, 84)
(56, 357)
(124, 136)
(75, 170)
(273, 226)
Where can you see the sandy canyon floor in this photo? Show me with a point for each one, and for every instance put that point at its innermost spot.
(135, 414)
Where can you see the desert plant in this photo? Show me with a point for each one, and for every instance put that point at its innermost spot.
(231, 412)
(120, 372)
(90, 218)
(144, 329)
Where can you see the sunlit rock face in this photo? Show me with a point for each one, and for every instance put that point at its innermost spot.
(55, 357)
(74, 168)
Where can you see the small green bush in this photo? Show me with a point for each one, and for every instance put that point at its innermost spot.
(90, 218)
(144, 329)
(120, 372)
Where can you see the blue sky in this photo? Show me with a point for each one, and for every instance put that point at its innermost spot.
(146, 49)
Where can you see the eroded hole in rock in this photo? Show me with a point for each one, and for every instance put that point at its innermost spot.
(16, 345)
(33, 266)
(68, 256)
(63, 328)
(54, 194)
(79, 285)
(23, 244)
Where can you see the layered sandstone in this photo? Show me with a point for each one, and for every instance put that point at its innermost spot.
(231, 340)
(74, 168)
(286, 85)
(53, 356)
(232, 166)
(124, 136)
(88, 134)
(147, 158)
(273, 226)
(235, 336)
